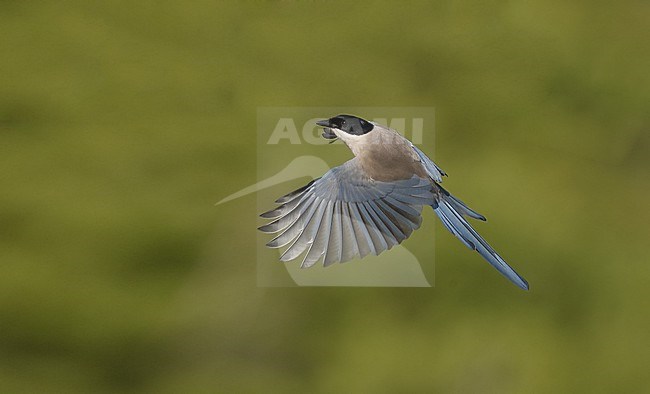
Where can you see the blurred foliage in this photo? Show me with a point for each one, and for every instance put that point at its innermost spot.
(121, 123)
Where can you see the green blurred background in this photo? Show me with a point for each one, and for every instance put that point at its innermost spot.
(122, 123)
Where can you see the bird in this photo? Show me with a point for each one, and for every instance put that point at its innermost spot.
(370, 203)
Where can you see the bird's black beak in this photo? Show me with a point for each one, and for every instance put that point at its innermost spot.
(327, 131)
(329, 134)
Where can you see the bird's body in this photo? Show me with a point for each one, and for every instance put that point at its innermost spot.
(385, 155)
(370, 203)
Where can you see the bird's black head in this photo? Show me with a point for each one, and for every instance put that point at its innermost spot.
(349, 123)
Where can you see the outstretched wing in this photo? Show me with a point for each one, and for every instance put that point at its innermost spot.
(345, 214)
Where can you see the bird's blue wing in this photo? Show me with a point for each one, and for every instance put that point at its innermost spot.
(345, 214)
(435, 172)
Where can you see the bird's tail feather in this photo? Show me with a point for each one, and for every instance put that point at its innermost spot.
(450, 210)
(460, 206)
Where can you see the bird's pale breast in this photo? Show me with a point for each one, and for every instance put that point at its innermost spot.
(390, 158)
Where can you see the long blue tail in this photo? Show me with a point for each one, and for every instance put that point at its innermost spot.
(451, 210)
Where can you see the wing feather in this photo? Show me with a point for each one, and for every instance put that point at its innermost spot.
(306, 238)
(365, 243)
(349, 243)
(345, 214)
(319, 246)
